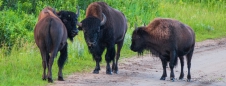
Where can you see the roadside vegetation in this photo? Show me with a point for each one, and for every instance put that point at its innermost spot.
(20, 59)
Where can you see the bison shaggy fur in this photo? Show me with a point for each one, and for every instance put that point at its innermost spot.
(167, 39)
(51, 35)
(103, 28)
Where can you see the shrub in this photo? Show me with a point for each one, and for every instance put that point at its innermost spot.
(15, 26)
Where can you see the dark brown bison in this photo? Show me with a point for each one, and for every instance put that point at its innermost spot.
(168, 39)
(51, 35)
(104, 27)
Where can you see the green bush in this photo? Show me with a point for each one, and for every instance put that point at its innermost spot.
(15, 26)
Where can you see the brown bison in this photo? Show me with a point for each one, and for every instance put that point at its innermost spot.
(51, 35)
(104, 27)
(168, 39)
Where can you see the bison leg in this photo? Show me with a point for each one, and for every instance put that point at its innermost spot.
(182, 67)
(97, 68)
(115, 65)
(189, 57)
(45, 57)
(108, 69)
(51, 59)
(61, 61)
(173, 61)
(97, 58)
(164, 63)
(109, 57)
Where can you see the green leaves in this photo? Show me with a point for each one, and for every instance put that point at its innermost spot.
(15, 26)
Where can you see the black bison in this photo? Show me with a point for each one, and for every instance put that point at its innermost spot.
(51, 35)
(168, 39)
(104, 27)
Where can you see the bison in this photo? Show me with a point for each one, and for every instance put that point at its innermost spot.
(51, 33)
(104, 27)
(167, 39)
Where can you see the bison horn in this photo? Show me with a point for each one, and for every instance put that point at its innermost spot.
(79, 24)
(54, 11)
(78, 12)
(135, 25)
(104, 20)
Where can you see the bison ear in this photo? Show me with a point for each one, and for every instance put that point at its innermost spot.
(77, 13)
(54, 11)
(135, 25)
(58, 14)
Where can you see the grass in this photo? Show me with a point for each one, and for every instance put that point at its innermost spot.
(207, 23)
(23, 65)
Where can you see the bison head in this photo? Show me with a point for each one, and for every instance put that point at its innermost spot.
(70, 20)
(91, 27)
(138, 40)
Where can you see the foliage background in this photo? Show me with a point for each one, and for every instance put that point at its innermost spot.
(20, 60)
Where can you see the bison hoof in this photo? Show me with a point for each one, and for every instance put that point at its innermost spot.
(50, 80)
(60, 78)
(44, 77)
(173, 79)
(163, 78)
(181, 78)
(109, 72)
(116, 72)
(95, 72)
(188, 80)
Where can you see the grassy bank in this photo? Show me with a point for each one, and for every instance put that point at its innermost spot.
(23, 65)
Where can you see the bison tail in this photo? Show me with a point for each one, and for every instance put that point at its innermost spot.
(48, 38)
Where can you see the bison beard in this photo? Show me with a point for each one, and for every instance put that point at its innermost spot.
(168, 39)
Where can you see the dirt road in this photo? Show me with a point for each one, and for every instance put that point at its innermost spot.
(208, 68)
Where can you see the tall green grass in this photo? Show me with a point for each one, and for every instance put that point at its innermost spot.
(207, 22)
(23, 65)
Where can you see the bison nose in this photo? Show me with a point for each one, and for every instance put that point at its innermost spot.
(90, 44)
